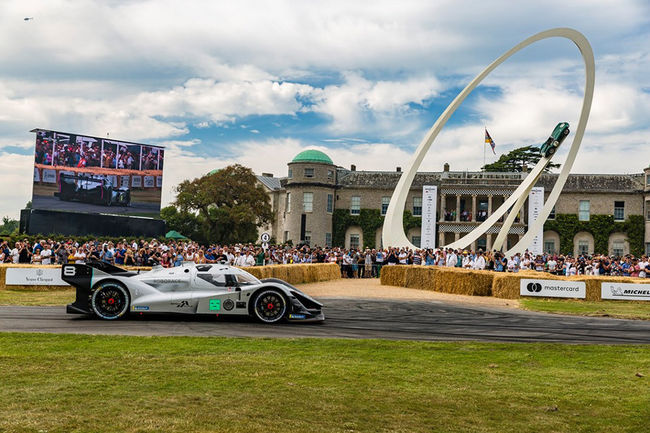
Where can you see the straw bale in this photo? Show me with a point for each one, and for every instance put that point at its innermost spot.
(299, 273)
(460, 281)
(593, 282)
(420, 277)
(506, 285)
(393, 275)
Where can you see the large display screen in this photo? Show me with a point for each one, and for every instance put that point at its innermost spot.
(80, 173)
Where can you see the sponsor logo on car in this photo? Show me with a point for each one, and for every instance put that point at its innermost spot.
(228, 304)
(140, 308)
(182, 304)
(297, 316)
(215, 304)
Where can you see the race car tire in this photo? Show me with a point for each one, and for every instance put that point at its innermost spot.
(270, 306)
(565, 132)
(551, 151)
(109, 300)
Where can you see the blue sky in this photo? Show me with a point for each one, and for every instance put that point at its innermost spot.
(257, 82)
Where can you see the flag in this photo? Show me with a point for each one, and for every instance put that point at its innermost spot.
(488, 140)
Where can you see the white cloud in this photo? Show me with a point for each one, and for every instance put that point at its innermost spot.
(359, 103)
(15, 193)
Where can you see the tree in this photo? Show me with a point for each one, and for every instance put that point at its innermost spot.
(9, 226)
(517, 159)
(229, 205)
(185, 223)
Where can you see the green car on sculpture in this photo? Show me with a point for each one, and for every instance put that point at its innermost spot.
(557, 137)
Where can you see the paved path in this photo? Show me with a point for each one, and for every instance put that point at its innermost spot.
(346, 318)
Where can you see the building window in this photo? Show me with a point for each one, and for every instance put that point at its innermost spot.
(307, 201)
(330, 203)
(288, 202)
(647, 180)
(549, 247)
(619, 211)
(354, 241)
(290, 174)
(551, 216)
(355, 205)
(583, 214)
(308, 238)
(385, 201)
(286, 236)
(647, 248)
(330, 174)
(415, 240)
(417, 206)
(328, 240)
(583, 247)
(617, 248)
(309, 172)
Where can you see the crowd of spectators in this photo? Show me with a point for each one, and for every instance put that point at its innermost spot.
(354, 263)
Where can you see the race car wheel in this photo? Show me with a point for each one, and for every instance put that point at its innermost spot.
(565, 132)
(551, 151)
(109, 300)
(270, 306)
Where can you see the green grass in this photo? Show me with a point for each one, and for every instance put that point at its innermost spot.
(618, 309)
(34, 297)
(68, 383)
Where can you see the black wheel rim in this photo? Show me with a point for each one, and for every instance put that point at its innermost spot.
(270, 306)
(109, 301)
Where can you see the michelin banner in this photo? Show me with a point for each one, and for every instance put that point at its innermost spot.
(625, 291)
(552, 288)
(34, 277)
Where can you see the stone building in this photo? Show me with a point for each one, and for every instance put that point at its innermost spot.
(320, 203)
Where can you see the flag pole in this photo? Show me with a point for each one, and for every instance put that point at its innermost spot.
(484, 148)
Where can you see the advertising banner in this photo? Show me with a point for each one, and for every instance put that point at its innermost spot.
(81, 173)
(34, 277)
(552, 288)
(429, 205)
(625, 291)
(535, 205)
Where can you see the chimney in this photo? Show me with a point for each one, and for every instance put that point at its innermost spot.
(353, 167)
(398, 169)
(445, 167)
(267, 174)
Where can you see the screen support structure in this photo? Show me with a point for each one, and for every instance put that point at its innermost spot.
(393, 232)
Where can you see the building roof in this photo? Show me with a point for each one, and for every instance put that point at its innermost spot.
(313, 155)
(272, 183)
(596, 182)
(575, 182)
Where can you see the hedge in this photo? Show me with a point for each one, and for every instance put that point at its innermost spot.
(600, 227)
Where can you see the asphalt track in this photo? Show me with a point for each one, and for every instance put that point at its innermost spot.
(347, 318)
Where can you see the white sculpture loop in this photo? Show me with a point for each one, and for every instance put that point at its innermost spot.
(393, 231)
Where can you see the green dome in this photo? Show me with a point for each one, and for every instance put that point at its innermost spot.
(312, 155)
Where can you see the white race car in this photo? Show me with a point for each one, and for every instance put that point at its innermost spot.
(110, 292)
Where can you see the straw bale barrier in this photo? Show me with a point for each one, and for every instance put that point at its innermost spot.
(485, 283)
(298, 274)
(293, 274)
(439, 279)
